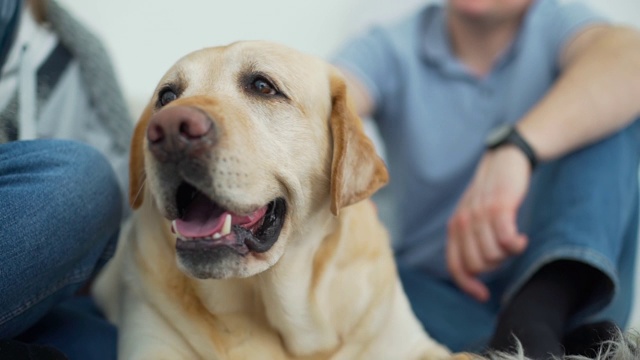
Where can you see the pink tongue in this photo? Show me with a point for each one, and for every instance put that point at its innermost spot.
(203, 218)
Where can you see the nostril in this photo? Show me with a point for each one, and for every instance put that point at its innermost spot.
(155, 133)
(194, 128)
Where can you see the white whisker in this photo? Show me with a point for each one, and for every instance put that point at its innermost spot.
(139, 192)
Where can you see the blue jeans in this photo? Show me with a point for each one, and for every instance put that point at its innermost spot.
(60, 216)
(582, 207)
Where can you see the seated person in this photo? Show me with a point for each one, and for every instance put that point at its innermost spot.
(513, 153)
(64, 130)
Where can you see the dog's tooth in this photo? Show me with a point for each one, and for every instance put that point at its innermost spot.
(216, 236)
(226, 227)
(174, 228)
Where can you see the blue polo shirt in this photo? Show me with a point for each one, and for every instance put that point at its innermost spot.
(433, 114)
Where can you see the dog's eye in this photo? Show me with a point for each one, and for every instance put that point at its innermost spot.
(166, 96)
(263, 86)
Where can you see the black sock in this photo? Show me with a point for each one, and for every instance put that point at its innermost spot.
(537, 314)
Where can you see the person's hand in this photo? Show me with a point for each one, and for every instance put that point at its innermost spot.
(482, 232)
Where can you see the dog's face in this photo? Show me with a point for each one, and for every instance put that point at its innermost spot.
(240, 146)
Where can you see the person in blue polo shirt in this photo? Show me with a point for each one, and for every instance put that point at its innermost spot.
(513, 151)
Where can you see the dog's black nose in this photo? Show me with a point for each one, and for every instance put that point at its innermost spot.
(178, 131)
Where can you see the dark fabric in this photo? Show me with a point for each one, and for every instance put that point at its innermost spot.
(537, 315)
(50, 72)
(16, 350)
(47, 77)
(9, 19)
(586, 340)
(78, 329)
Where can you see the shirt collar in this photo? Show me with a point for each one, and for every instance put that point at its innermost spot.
(435, 43)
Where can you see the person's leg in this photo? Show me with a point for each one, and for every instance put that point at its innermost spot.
(449, 316)
(76, 327)
(61, 210)
(587, 339)
(537, 314)
(581, 209)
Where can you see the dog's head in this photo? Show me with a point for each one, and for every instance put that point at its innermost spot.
(240, 147)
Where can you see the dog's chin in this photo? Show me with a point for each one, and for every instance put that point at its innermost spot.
(221, 263)
(204, 259)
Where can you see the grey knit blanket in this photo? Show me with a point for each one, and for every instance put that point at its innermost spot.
(98, 78)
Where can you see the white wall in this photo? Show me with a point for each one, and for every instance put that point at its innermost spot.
(145, 37)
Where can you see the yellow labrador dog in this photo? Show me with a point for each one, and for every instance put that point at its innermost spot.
(252, 240)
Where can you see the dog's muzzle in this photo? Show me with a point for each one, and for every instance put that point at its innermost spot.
(182, 139)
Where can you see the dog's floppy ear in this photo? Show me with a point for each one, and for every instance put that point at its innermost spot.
(356, 169)
(136, 160)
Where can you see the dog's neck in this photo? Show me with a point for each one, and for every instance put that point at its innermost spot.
(288, 289)
(285, 292)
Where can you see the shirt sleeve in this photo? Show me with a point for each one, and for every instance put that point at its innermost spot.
(371, 59)
(563, 21)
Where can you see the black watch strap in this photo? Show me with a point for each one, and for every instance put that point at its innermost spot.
(513, 137)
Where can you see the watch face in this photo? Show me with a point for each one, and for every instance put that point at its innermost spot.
(498, 135)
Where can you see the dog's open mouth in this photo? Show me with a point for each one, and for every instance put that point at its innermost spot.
(203, 224)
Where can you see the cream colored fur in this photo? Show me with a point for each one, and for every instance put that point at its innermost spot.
(328, 289)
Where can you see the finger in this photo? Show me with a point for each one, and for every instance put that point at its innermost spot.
(454, 262)
(453, 252)
(475, 288)
(472, 260)
(466, 282)
(504, 223)
(506, 230)
(519, 244)
(462, 251)
(490, 250)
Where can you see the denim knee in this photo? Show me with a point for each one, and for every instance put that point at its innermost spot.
(59, 170)
(583, 207)
(61, 210)
(91, 179)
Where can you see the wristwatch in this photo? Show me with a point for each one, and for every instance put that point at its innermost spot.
(508, 134)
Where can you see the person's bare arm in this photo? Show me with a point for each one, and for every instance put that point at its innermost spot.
(595, 95)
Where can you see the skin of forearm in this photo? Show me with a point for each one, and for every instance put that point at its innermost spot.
(597, 94)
